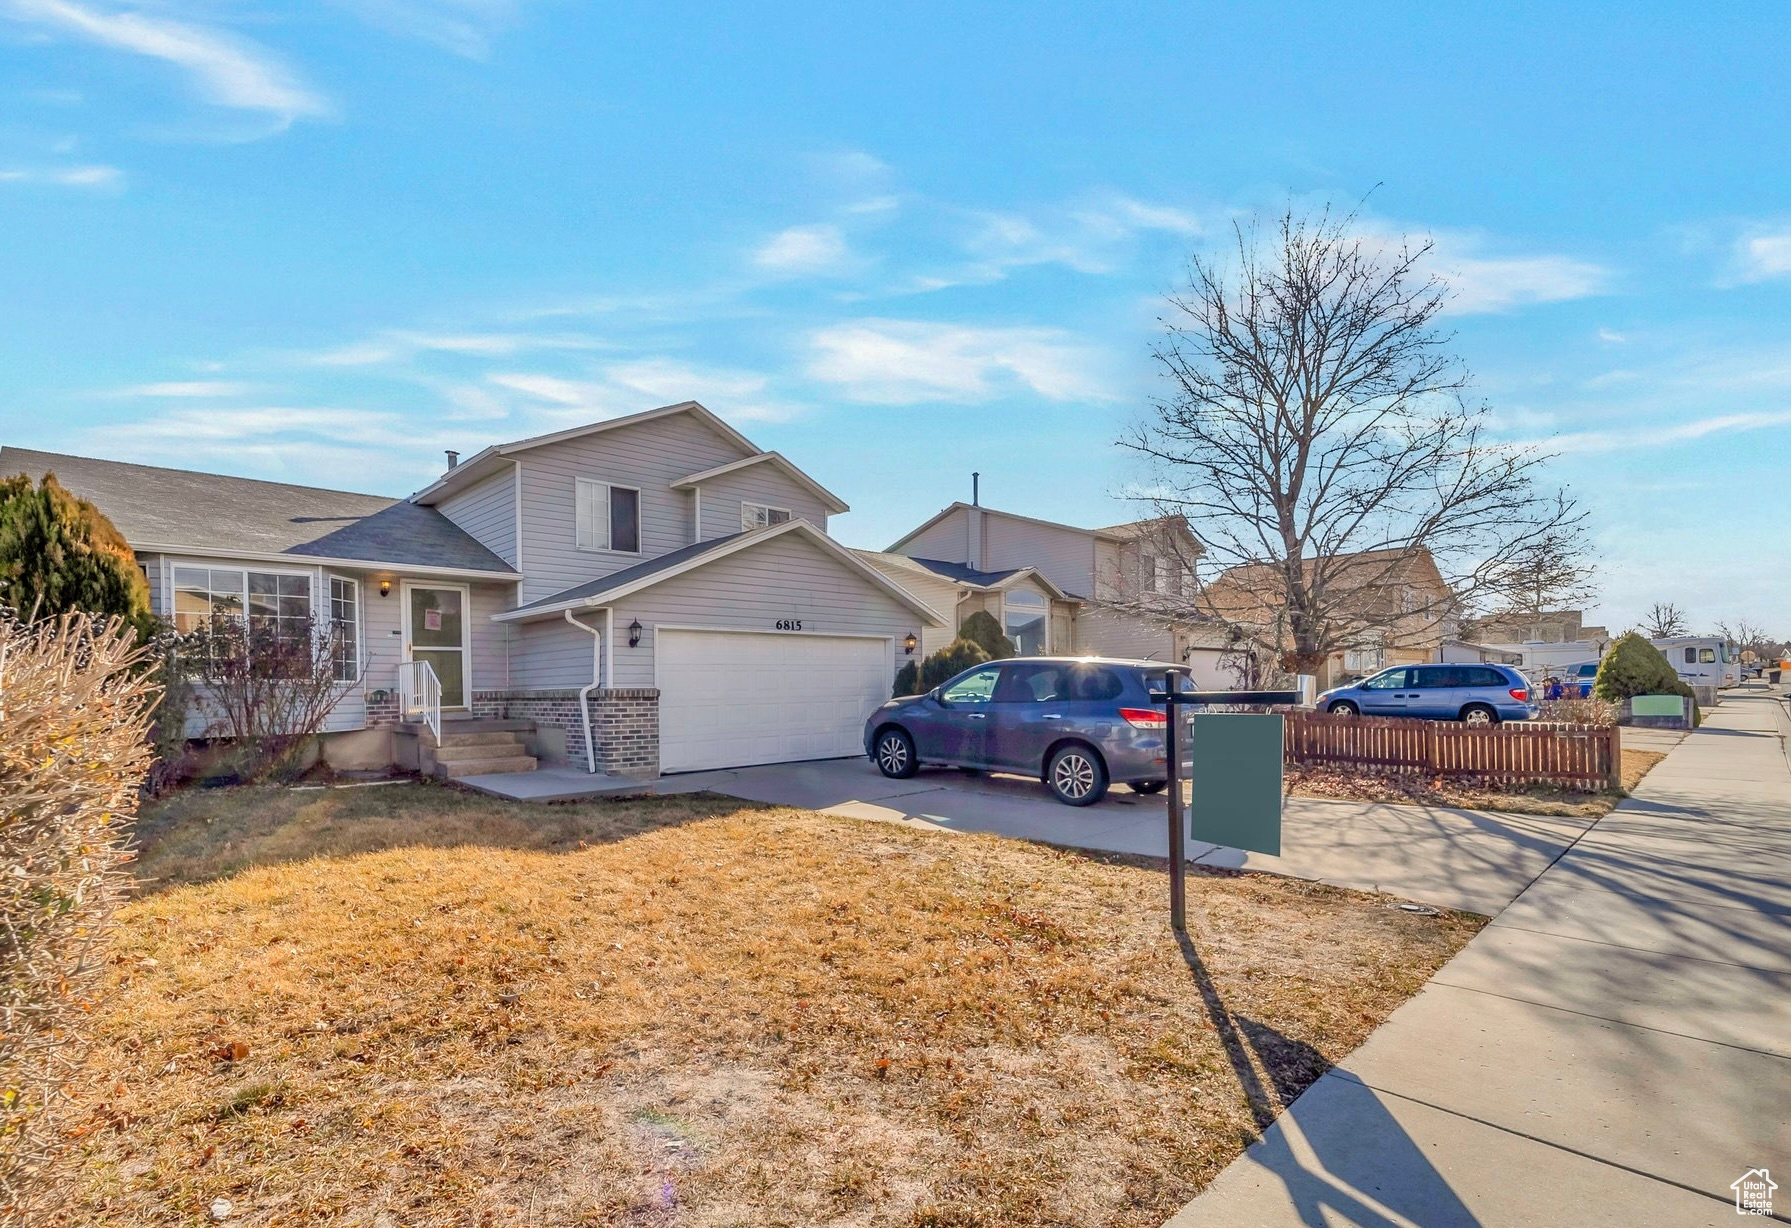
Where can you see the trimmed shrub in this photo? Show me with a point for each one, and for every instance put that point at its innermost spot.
(75, 700)
(907, 679)
(982, 630)
(1575, 710)
(59, 554)
(949, 662)
(1634, 667)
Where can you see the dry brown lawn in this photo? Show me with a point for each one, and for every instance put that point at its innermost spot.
(409, 1006)
(1331, 782)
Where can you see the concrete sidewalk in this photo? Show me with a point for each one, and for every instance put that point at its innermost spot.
(1614, 1048)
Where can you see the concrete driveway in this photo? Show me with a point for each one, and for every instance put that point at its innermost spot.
(1460, 859)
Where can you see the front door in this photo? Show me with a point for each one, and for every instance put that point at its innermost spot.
(1387, 693)
(961, 728)
(435, 630)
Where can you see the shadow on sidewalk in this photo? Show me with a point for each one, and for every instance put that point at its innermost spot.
(1350, 1161)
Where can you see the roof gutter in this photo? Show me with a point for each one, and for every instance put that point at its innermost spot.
(312, 560)
(584, 694)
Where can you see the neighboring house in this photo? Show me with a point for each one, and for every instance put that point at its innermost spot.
(1394, 606)
(654, 592)
(1544, 627)
(1060, 589)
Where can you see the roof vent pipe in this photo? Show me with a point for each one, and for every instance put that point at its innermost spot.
(976, 485)
(453, 457)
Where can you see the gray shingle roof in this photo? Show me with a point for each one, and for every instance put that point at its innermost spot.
(211, 512)
(628, 575)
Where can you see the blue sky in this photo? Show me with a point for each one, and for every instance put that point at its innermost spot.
(322, 242)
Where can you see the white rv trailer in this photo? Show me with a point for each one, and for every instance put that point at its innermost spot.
(1702, 660)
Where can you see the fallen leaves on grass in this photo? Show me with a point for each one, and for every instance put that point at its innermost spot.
(704, 1013)
(1411, 788)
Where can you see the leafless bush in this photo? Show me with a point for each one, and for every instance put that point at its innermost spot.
(267, 685)
(1578, 710)
(74, 713)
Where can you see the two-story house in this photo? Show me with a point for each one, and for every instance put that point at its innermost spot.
(649, 593)
(1386, 607)
(1121, 591)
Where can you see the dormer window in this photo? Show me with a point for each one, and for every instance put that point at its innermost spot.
(760, 516)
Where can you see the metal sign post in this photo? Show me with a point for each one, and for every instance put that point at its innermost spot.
(1173, 702)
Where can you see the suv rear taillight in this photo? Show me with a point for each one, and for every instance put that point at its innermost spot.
(1520, 694)
(1144, 718)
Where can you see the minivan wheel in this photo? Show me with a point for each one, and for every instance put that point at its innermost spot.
(1076, 775)
(895, 754)
(1344, 707)
(1479, 714)
(1149, 786)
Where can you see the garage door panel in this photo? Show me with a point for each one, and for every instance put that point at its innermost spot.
(730, 699)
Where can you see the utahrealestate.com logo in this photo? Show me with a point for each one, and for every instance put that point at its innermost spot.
(1753, 1193)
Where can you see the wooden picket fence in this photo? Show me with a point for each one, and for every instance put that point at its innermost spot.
(1587, 757)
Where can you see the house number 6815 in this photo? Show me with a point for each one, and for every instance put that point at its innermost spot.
(789, 624)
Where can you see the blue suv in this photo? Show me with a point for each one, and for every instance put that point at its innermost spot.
(1078, 724)
(1477, 694)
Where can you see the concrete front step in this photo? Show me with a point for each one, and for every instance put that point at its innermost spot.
(484, 724)
(456, 737)
(460, 752)
(485, 767)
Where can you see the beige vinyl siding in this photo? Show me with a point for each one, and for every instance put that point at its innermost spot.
(1113, 633)
(948, 541)
(764, 484)
(1064, 556)
(552, 656)
(784, 578)
(486, 510)
(936, 593)
(649, 456)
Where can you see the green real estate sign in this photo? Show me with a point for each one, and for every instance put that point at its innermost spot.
(1236, 774)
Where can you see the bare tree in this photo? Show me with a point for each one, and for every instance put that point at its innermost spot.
(1317, 436)
(1750, 638)
(1665, 620)
(1550, 573)
(266, 684)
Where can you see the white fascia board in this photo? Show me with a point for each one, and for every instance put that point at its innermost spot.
(319, 560)
(745, 541)
(835, 505)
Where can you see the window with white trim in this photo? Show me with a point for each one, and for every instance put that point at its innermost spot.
(761, 516)
(608, 517)
(345, 628)
(273, 602)
(1362, 659)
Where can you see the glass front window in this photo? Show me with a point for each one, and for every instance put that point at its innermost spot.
(759, 516)
(345, 628)
(1024, 620)
(975, 688)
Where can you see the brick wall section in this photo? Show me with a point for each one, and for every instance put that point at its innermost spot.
(382, 711)
(624, 723)
(625, 726)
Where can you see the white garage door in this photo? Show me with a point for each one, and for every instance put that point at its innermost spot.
(733, 698)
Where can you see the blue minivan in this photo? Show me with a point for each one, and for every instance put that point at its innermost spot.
(1477, 694)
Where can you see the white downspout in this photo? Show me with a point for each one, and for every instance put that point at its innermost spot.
(584, 695)
(609, 637)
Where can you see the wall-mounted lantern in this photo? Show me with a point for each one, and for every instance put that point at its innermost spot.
(385, 586)
(634, 634)
(911, 643)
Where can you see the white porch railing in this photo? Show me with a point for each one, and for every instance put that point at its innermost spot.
(420, 695)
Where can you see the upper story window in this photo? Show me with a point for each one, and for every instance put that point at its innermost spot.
(759, 516)
(609, 517)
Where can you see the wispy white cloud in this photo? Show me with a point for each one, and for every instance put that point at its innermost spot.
(1764, 255)
(902, 362)
(226, 70)
(186, 388)
(103, 178)
(464, 27)
(403, 345)
(627, 387)
(805, 251)
(1639, 435)
(1481, 284)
